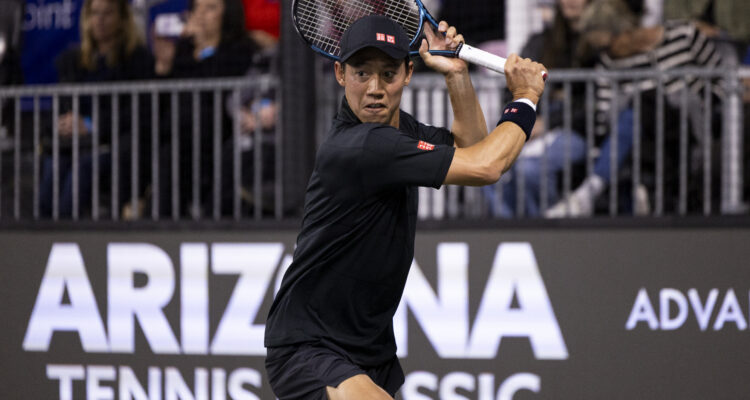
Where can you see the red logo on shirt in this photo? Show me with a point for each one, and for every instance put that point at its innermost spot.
(422, 145)
(511, 110)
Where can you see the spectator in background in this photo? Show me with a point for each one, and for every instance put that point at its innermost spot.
(554, 47)
(721, 20)
(161, 8)
(613, 34)
(258, 116)
(214, 44)
(111, 49)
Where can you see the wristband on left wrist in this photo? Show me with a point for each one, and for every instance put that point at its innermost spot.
(521, 114)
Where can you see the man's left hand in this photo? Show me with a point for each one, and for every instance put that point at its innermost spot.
(447, 38)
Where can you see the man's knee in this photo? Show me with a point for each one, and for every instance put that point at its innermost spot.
(359, 387)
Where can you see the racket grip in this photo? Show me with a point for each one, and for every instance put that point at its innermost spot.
(485, 59)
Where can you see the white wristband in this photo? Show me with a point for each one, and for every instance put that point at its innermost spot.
(527, 101)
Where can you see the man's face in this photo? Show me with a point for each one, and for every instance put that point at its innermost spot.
(373, 83)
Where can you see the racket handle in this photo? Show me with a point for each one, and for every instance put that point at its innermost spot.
(485, 59)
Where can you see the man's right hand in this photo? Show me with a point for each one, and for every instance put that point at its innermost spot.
(524, 78)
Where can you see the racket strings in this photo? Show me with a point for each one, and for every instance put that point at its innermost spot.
(323, 22)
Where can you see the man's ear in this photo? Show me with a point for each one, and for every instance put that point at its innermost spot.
(339, 70)
(409, 71)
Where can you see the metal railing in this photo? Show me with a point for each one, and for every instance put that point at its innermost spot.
(163, 118)
(719, 174)
(691, 169)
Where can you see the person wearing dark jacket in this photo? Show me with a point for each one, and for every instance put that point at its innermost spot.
(111, 49)
(552, 146)
(214, 44)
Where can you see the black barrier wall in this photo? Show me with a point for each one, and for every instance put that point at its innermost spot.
(488, 314)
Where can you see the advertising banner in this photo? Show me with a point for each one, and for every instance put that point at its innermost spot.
(487, 314)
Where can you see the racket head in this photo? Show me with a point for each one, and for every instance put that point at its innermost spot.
(321, 23)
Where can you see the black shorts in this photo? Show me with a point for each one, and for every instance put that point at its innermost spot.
(302, 371)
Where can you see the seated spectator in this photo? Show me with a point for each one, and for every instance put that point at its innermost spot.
(111, 49)
(555, 47)
(621, 44)
(214, 44)
(258, 116)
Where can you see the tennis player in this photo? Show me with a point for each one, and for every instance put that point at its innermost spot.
(329, 332)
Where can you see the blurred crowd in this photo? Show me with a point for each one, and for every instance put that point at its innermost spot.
(87, 41)
(624, 35)
(97, 41)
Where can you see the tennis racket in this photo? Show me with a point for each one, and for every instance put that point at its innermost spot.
(321, 23)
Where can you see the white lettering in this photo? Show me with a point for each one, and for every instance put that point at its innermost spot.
(423, 385)
(666, 298)
(175, 387)
(237, 387)
(218, 384)
(444, 318)
(66, 374)
(239, 378)
(255, 263)
(130, 388)
(730, 312)
(95, 374)
(515, 271)
(128, 302)
(642, 311)
(703, 314)
(54, 15)
(416, 380)
(65, 270)
(456, 380)
(194, 298)
(517, 382)
(486, 386)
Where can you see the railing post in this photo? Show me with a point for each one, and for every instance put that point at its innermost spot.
(731, 188)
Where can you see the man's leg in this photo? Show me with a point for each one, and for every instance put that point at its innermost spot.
(358, 387)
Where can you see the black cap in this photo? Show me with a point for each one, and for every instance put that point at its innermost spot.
(376, 31)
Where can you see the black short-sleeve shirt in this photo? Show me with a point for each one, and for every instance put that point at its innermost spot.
(357, 240)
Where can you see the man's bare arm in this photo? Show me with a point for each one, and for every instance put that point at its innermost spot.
(484, 162)
(469, 126)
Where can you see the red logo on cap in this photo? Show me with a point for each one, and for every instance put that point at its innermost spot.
(422, 145)
(380, 37)
(390, 39)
